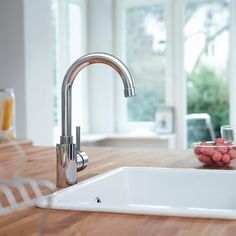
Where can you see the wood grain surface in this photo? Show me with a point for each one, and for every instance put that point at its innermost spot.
(40, 162)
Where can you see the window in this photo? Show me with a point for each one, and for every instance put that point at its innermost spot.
(207, 63)
(146, 58)
(69, 44)
(141, 41)
(167, 45)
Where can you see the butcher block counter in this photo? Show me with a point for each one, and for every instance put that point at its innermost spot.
(40, 163)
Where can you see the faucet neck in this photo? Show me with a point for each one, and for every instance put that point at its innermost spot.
(70, 76)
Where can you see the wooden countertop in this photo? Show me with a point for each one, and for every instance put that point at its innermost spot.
(39, 163)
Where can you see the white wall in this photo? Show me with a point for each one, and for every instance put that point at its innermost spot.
(12, 57)
(26, 65)
(38, 71)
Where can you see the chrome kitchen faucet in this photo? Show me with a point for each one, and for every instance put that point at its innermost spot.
(70, 158)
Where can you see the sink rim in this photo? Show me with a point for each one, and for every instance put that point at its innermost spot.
(144, 209)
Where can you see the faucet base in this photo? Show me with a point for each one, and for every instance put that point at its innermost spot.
(66, 165)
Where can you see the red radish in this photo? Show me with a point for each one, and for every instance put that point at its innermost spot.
(223, 150)
(197, 150)
(232, 153)
(219, 141)
(204, 158)
(218, 153)
(207, 151)
(217, 156)
(226, 158)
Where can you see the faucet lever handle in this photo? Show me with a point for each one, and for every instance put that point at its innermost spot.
(81, 157)
(78, 139)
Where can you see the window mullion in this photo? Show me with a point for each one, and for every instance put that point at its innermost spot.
(232, 68)
(178, 75)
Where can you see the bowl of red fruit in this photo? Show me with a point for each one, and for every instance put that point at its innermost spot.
(215, 153)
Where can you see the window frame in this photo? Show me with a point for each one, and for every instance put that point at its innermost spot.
(175, 89)
(232, 62)
(121, 6)
(62, 61)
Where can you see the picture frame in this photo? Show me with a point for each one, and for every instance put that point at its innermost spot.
(164, 120)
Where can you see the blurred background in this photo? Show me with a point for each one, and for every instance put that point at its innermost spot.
(180, 52)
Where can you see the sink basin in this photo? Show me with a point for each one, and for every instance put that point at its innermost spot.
(153, 191)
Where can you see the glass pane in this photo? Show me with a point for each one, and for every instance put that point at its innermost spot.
(207, 58)
(67, 30)
(146, 58)
(74, 52)
(74, 25)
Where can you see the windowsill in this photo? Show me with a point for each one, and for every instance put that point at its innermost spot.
(134, 135)
(141, 137)
(163, 140)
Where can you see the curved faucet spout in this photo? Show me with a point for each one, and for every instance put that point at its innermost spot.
(70, 76)
(70, 158)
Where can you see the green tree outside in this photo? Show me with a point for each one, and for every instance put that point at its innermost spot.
(208, 93)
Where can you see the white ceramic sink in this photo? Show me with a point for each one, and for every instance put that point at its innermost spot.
(156, 191)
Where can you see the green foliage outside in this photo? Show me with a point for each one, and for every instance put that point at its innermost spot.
(146, 65)
(208, 93)
(143, 106)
